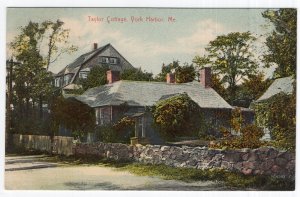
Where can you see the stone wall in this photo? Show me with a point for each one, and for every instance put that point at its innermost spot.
(61, 145)
(266, 160)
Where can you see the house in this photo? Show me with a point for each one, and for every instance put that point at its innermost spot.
(140, 95)
(280, 85)
(68, 78)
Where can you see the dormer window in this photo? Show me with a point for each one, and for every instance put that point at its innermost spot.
(108, 60)
(113, 60)
(84, 73)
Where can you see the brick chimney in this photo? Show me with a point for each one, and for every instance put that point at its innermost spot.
(170, 78)
(112, 76)
(95, 46)
(205, 77)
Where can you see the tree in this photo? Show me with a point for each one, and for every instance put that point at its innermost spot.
(282, 42)
(231, 59)
(183, 74)
(32, 81)
(63, 111)
(57, 40)
(216, 83)
(178, 116)
(95, 78)
(136, 75)
(165, 69)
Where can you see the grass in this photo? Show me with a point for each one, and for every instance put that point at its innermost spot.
(231, 180)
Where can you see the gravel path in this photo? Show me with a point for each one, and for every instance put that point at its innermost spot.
(27, 173)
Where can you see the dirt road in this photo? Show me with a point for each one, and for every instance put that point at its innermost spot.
(27, 173)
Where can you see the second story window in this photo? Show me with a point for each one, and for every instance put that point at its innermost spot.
(108, 60)
(83, 75)
(57, 82)
(113, 60)
(67, 79)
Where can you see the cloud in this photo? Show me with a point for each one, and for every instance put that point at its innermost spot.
(137, 50)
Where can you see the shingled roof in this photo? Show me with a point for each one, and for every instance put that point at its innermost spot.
(141, 93)
(73, 67)
(284, 85)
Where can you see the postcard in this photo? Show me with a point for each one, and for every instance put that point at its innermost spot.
(150, 99)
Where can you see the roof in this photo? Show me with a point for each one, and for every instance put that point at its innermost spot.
(72, 86)
(284, 85)
(142, 93)
(70, 68)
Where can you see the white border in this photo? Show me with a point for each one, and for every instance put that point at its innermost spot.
(131, 3)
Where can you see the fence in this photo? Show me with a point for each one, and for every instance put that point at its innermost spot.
(61, 145)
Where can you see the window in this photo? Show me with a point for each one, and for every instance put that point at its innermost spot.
(57, 82)
(141, 126)
(108, 60)
(67, 79)
(103, 115)
(83, 75)
(113, 60)
(104, 60)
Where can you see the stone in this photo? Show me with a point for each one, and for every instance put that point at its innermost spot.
(281, 161)
(266, 165)
(251, 165)
(238, 166)
(165, 148)
(276, 169)
(252, 156)
(290, 166)
(232, 156)
(245, 156)
(246, 171)
(257, 172)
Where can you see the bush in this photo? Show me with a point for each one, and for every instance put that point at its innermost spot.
(250, 138)
(178, 116)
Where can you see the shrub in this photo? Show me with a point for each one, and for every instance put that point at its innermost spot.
(178, 116)
(250, 138)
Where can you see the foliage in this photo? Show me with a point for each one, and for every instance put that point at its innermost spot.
(251, 89)
(231, 59)
(95, 78)
(282, 42)
(279, 115)
(165, 69)
(249, 138)
(73, 115)
(237, 120)
(136, 75)
(184, 74)
(178, 116)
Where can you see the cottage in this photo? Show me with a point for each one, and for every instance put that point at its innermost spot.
(281, 85)
(68, 78)
(139, 95)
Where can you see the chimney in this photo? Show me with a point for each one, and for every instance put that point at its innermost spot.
(205, 77)
(112, 76)
(170, 78)
(95, 46)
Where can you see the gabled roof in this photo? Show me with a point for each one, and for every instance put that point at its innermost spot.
(70, 68)
(141, 93)
(284, 85)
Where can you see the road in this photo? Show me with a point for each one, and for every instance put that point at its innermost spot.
(28, 173)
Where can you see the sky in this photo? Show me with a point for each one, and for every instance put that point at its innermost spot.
(177, 34)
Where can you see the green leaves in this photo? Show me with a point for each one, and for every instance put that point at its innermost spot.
(282, 42)
(177, 116)
(231, 58)
(136, 75)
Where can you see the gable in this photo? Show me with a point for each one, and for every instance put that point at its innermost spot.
(284, 85)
